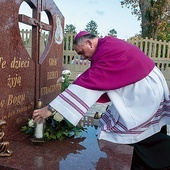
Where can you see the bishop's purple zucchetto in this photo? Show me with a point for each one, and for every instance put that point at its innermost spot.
(80, 34)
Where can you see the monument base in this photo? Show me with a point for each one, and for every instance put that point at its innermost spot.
(81, 153)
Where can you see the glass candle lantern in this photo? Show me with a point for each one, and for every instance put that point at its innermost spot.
(39, 127)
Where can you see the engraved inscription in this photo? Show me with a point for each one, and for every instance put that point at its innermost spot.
(15, 100)
(19, 63)
(16, 111)
(52, 61)
(14, 81)
(52, 75)
(2, 102)
(50, 89)
(2, 63)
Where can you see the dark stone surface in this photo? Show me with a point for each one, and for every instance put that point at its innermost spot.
(83, 153)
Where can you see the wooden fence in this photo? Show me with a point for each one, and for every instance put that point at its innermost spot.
(71, 60)
(157, 50)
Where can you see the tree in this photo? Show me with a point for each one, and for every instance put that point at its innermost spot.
(164, 31)
(113, 32)
(151, 12)
(92, 27)
(70, 29)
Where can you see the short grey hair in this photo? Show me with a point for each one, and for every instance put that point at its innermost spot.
(82, 38)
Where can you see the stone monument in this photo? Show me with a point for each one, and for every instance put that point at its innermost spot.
(25, 79)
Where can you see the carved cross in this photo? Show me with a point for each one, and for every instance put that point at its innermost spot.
(37, 27)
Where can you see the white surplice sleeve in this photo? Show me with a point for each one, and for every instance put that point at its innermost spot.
(74, 102)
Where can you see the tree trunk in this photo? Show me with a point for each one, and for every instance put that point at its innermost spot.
(144, 5)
